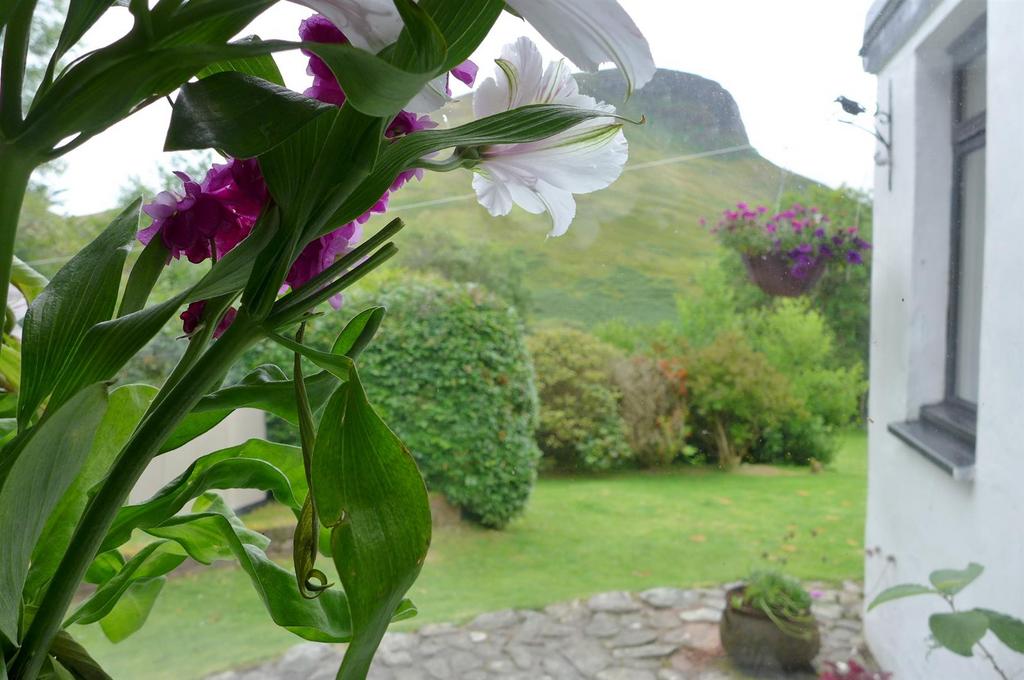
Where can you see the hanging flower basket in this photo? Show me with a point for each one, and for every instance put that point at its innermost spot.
(775, 274)
(786, 253)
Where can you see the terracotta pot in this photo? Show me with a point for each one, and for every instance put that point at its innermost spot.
(756, 644)
(771, 273)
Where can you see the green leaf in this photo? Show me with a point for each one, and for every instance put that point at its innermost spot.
(82, 14)
(107, 84)
(242, 115)
(900, 591)
(73, 656)
(104, 567)
(26, 279)
(358, 333)
(340, 366)
(57, 321)
(132, 609)
(256, 464)
(367, 487)
(145, 272)
(262, 390)
(156, 559)
(202, 541)
(125, 407)
(1008, 629)
(306, 538)
(109, 345)
(325, 619)
(958, 631)
(35, 471)
(262, 66)
(463, 25)
(952, 581)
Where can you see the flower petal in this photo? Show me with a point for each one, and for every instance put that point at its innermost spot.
(494, 196)
(590, 33)
(368, 24)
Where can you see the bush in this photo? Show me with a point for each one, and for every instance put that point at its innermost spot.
(744, 408)
(449, 371)
(580, 425)
(653, 408)
(799, 343)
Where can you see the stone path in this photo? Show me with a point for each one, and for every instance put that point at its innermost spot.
(659, 634)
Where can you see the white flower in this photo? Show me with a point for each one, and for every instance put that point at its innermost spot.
(591, 32)
(543, 176)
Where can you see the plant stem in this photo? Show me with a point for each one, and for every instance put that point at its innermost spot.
(992, 660)
(12, 70)
(131, 463)
(14, 175)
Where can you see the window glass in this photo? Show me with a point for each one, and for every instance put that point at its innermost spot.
(969, 279)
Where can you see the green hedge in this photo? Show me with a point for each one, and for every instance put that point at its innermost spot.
(580, 424)
(449, 371)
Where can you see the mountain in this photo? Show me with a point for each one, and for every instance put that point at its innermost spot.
(637, 245)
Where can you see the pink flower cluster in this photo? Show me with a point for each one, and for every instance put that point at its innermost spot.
(803, 234)
(215, 215)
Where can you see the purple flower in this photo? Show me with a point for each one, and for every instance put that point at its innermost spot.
(465, 73)
(193, 225)
(192, 318)
(321, 254)
(861, 244)
(854, 257)
(819, 233)
(825, 251)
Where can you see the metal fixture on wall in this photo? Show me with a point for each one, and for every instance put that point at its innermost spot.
(881, 132)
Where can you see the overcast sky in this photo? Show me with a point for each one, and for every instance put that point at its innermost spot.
(784, 62)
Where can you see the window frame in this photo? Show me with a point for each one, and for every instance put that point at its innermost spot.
(968, 136)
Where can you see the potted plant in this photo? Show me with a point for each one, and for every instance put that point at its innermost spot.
(768, 625)
(786, 253)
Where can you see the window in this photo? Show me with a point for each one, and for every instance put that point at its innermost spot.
(945, 431)
(968, 220)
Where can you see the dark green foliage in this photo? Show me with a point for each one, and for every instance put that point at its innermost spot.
(449, 371)
(740, 403)
(580, 425)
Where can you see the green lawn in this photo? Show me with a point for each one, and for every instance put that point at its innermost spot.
(579, 536)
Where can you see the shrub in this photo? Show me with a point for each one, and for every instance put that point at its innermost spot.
(653, 408)
(580, 425)
(745, 409)
(450, 372)
(798, 342)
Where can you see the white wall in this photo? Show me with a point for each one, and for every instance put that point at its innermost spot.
(240, 426)
(916, 512)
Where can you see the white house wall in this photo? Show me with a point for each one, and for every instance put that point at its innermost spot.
(918, 514)
(240, 426)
